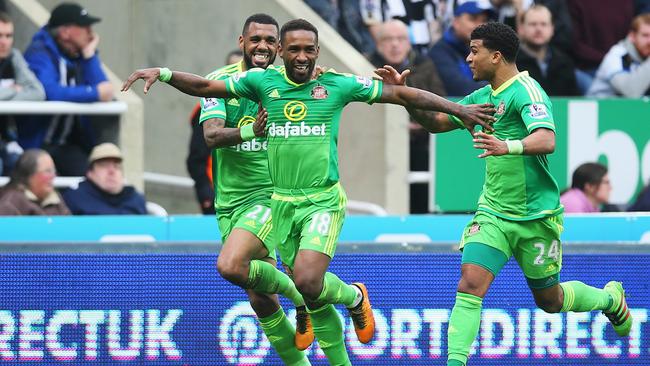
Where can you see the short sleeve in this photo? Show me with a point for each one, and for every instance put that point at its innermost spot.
(246, 84)
(535, 107)
(360, 88)
(212, 108)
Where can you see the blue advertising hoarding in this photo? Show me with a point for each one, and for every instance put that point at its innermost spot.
(173, 309)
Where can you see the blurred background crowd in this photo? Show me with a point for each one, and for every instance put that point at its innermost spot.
(591, 48)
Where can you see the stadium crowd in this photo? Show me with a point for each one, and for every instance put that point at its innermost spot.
(593, 48)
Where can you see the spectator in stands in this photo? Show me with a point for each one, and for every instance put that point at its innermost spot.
(625, 70)
(17, 82)
(418, 15)
(551, 67)
(642, 202)
(449, 53)
(596, 26)
(510, 11)
(353, 28)
(346, 17)
(63, 55)
(563, 33)
(103, 192)
(590, 188)
(394, 48)
(327, 9)
(30, 190)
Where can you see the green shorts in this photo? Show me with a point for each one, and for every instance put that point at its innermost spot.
(254, 217)
(535, 244)
(307, 219)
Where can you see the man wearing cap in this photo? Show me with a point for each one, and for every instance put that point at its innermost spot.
(103, 191)
(449, 53)
(63, 55)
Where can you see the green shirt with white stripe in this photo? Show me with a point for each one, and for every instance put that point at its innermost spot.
(517, 187)
(241, 172)
(303, 122)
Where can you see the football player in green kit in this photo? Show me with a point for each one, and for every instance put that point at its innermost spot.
(243, 195)
(308, 202)
(519, 212)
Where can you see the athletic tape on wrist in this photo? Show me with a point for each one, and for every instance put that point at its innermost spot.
(515, 147)
(247, 133)
(165, 74)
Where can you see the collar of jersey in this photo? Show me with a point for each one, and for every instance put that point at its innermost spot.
(508, 82)
(284, 73)
(240, 66)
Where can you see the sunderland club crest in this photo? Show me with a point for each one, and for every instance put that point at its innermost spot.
(319, 92)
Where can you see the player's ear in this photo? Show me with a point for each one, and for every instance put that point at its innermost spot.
(497, 57)
(241, 43)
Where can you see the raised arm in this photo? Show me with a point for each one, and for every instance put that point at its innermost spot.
(423, 105)
(434, 122)
(185, 82)
(412, 98)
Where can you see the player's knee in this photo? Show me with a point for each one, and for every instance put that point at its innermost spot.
(232, 271)
(262, 303)
(472, 286)
(549, 305)
(309, 287)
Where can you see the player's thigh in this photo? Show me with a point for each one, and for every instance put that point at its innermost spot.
(320, 229)
(250, 233)
(485, 243)
(285, 236)
(538, 250)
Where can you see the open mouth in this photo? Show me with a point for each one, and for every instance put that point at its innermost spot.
(260, 58)
(301, 68)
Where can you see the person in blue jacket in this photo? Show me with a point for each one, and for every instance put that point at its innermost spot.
(103, 192)
(450, 52)
(63, 55)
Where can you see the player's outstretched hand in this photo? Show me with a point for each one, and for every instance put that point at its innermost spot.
(149, 76)
(490, 145)
(478, 114)
(389, 75)
(259, 127)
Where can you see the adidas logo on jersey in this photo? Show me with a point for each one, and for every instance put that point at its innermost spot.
(289, 129)
(274, 94)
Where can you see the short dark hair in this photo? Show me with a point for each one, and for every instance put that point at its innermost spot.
(498, 37)
(297, 24)
(588, 173)
(5, 18)
(259, 18)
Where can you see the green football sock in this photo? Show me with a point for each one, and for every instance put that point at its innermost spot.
(463, 327)
(336, 291)
(329, 333)
(280, 334)
(580, 297)
(264, 278)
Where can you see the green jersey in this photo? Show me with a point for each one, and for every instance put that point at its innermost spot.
(517, 187)
(303, 121)
(241, 172)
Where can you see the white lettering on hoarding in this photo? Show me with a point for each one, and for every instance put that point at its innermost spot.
(585, 144)
(522, 333)
(39, 336)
